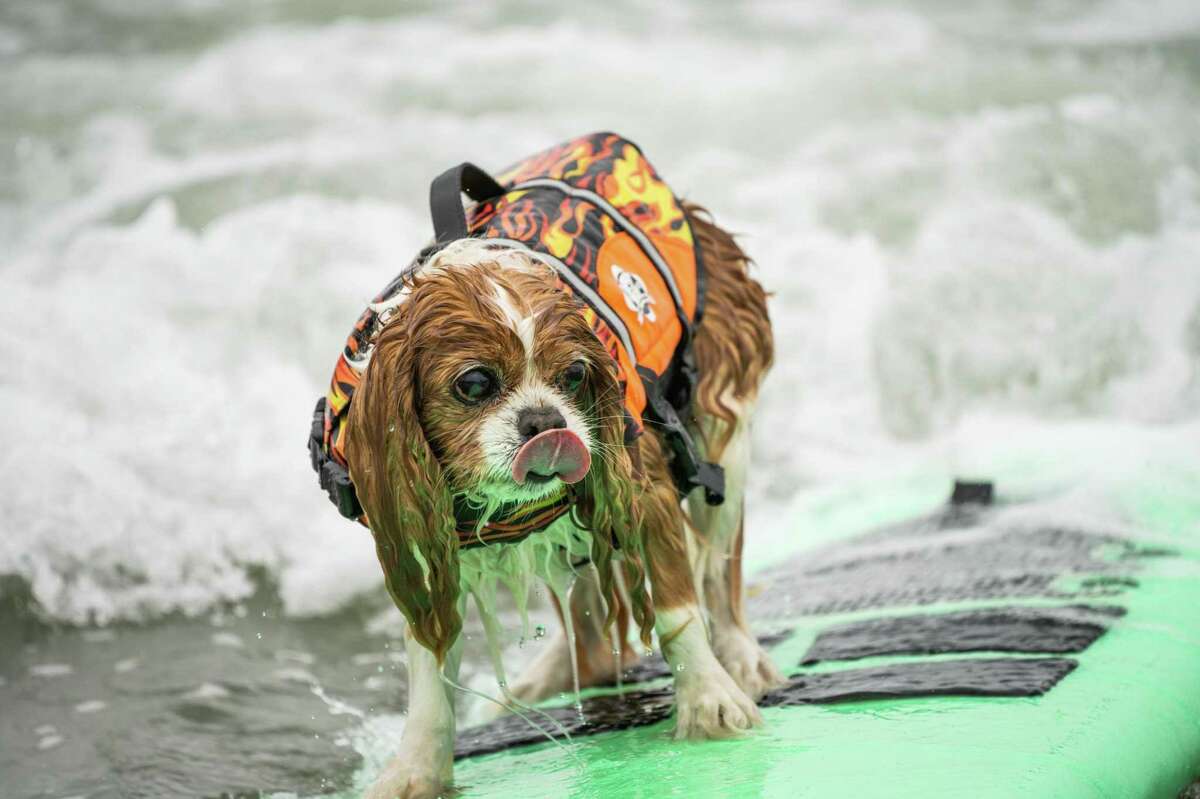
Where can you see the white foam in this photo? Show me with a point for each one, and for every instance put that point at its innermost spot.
(49, 742)
(51, 670)
(972, 247)
(295, 656)
(207, 690)
(125, 666)
(295, 674)
(1127, 22)
(227, 640)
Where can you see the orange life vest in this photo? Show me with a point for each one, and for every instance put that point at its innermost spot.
(598, 213)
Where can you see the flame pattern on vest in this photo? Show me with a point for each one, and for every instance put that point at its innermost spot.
(555, 204)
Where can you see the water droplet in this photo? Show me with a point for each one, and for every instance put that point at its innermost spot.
(259, 636)
(539, 632)
(680, 667)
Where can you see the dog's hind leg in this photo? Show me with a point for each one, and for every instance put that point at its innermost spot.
(718, 566)
(733, 350)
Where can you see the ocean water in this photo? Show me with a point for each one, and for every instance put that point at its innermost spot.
(980, 222)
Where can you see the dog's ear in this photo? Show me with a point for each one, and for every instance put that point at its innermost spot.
(399, 484)
(609, 490)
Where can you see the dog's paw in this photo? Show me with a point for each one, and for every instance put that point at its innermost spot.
(749, 666)
(406, 780)
(710, 705)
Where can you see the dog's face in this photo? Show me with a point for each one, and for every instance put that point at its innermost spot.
(486, 381)
(507, 378)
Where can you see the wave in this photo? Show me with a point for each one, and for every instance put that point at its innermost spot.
(960, 224)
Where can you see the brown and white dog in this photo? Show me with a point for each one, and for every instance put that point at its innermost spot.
(482, 355)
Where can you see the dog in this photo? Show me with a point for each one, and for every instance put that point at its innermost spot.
(487, 389)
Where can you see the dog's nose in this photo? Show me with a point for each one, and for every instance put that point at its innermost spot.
(532, 421)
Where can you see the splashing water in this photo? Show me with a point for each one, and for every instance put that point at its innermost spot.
(978, 209)
(979, 222)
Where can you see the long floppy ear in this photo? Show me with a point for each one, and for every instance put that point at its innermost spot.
(399, 484)
(610, 489)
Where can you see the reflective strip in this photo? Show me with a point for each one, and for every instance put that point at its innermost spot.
(580, 287)
(633, 230)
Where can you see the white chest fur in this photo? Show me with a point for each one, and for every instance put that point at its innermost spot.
(547, 557)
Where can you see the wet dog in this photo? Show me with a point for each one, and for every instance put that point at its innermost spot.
(487, 389)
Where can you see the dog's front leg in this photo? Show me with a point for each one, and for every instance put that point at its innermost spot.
(425, 763)
(708, 703)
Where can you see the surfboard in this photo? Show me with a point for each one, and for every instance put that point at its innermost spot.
(966, 652)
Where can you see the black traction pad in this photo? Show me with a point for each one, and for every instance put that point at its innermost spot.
(946, 558)
(1047, 630)
(961, 553)
(963, 677)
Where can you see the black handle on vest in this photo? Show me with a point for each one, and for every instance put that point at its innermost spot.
(688, 469)
(333, 477)
(445, 201)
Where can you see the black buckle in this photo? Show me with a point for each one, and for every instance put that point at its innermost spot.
(334, 478)
(316, 436)
(972, 492)
(680, 384)
(336, 482)
(711, 476)
(687, 468)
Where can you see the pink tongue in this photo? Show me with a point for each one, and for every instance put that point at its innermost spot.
(554, 452)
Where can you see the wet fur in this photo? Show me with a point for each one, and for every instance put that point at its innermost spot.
(734, 348)
(411, 447)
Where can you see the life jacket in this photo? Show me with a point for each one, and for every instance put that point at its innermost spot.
(596, 211)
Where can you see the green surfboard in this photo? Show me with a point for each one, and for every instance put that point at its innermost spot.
(968, 652)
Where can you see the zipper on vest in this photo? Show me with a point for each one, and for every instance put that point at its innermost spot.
(580, 287)
(633, 230)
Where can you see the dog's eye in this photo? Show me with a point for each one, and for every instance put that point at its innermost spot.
(572, 377)
(476, 385)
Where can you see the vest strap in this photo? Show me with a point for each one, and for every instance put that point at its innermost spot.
(333, 476)
(518, 525)
(445, 199)
(687, 468)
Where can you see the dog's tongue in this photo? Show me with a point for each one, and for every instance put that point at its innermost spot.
(554, 452)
